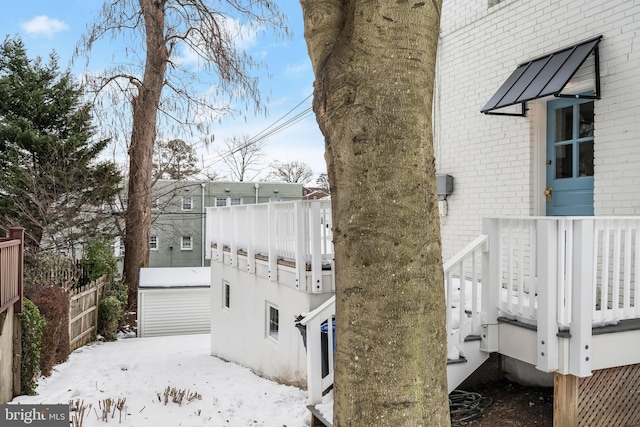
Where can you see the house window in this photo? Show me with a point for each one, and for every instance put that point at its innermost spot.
(187, 203)
(236, 200)
(153, 243)
(226, 294)
(273, 321)
(493, 2)
(186, 243)
(221, 201)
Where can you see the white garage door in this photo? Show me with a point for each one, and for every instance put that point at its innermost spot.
(174, 311)
(174, 301)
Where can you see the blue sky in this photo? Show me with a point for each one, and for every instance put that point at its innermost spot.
(45, 25)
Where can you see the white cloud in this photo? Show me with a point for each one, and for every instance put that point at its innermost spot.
(301, 68)
(44, 26)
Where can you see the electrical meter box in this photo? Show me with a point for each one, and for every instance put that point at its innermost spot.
(445, 185)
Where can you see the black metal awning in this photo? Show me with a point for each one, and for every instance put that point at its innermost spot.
(544, 76)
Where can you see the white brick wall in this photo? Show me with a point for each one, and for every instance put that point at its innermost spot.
(492, 158)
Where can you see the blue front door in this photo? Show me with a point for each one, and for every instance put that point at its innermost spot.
(570, 157)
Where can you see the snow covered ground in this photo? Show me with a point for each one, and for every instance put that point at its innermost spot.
(141, 369)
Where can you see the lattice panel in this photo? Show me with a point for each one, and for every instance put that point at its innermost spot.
(610, 397)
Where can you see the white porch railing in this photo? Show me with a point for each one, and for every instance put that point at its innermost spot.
(567, 254)
(298, 232)
(566, 273)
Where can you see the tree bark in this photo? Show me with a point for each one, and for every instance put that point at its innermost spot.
(143, 134)
(374, 64)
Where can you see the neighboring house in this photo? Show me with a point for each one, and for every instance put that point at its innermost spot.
(540, 229)
(178, 207)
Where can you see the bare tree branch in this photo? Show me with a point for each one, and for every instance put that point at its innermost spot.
(167, 92)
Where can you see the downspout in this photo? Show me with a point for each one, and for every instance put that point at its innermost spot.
(257, 187)
(202, 184)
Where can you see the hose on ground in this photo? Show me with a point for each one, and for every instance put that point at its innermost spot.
(467, 406)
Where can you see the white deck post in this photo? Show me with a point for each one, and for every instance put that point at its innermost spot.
(491, 285)
(235, 229)
(314, 362)
(251, 247)
(220, 218)
(582, 299)
(301, 238)
(315, 222)
(272, 221)
(547, 300)
(209, 230)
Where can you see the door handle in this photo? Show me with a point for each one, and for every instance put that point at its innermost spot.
(549, 193)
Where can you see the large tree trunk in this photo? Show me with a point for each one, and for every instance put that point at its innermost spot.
(143, 135)
(374, 63)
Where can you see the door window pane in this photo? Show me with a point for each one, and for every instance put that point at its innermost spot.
(564, 124)
(586, 120)
(585, 158)
(564, 161)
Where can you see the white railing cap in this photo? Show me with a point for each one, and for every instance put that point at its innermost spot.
(318, 311)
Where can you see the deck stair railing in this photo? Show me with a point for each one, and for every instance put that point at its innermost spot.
(463, 290)
(462, 275)
(317, 380)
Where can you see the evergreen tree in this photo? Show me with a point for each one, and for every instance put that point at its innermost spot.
(174, 159)
(51, 181)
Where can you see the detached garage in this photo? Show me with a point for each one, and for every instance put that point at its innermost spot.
(174, 301)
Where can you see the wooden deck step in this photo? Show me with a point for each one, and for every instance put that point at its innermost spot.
(317, 420)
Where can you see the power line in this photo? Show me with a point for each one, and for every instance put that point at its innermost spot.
(270, 130)
(286, 114)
